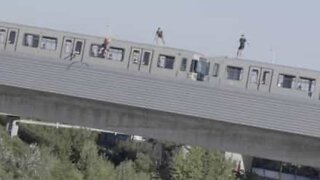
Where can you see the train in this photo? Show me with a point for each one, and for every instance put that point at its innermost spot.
(162, 61)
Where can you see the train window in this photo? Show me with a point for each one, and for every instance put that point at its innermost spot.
(96, 51)
(306, 84)
(48, 43)
(165, 62)
(215, 70)
(200, 67)
(264, 77)
(78, 47)
(286, 81)
(115, 53)
(68, 46)
(146, 58)
(2, 36)
(12, 37)
(254, 76)
(31, 40)
(184, 63)
(234, 73)
(136, 56)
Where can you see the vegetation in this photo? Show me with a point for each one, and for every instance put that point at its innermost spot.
(200, 164)
(49, 153)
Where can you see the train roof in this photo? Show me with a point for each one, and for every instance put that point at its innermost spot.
(223, 58)
(263, 64)
(96, 36)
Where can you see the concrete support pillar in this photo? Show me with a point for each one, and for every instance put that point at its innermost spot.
(237, 160)
(14, 129)
(11, 125)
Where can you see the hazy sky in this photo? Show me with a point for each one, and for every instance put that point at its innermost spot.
(288, 30)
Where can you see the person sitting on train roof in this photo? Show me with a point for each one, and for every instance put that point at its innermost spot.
(242, 41)
(159, 35)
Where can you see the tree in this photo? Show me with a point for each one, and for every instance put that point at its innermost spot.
(18, 160)
(126, 171)
(143, 163)
(199, 164)
(217, 167)
(74, 154)
(60, 170)
(94, 166)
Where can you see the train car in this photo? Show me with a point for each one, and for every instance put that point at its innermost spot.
(73, 47)
(259, 77)
(182, 65)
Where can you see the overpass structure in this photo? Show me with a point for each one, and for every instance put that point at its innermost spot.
(250, 123)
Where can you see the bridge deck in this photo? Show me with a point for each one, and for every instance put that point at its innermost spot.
(188, 112)
(169, 95)
(266, 111)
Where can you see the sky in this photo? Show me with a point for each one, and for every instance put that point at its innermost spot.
(285, 32)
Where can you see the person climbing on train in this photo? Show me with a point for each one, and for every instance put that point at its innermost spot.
(242, 41)
(159, 35)
(104, 46)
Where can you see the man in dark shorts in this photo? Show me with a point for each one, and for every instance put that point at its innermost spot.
(242, 41)
(159, 35)
(104, 46)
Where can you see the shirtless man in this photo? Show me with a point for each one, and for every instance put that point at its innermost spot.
(242, 41)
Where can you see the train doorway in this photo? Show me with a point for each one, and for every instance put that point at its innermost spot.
(8, 38)
(12, 39)
(259, 78)
(199, 69)
(140, 59)
(72, 49)
(3, 37)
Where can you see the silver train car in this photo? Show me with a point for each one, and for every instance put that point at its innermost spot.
(183, 65)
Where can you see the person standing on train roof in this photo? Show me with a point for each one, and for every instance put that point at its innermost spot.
(159, 35)
(242, 41)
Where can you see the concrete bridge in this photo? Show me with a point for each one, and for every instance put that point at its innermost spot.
(250, 123)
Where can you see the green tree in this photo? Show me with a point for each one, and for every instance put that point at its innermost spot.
(73, 154)
(199, 164)
(188, 165)
(217, 167)
(126, 171)
(18, 160)
(178, 167)
(143, 163)
(61, 170)
(66, 144)
(94, 166)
